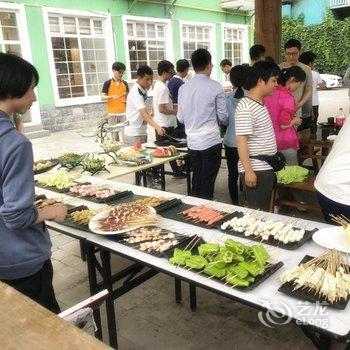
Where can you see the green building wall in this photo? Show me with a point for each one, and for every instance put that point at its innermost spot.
(194, 10)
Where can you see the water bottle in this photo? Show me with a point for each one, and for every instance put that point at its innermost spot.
(340, 118)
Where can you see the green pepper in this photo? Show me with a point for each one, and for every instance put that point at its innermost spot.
(238, 258)
(252, 267)
(180, 256)
(180, 252)
(250, 279)
(225, 256)
(196, 262)
(238, 271)
(213, 269)
(208, 248)
(260, 254)
(235, 281)
(235, 247)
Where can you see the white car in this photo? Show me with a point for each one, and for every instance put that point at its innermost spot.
(331, 80)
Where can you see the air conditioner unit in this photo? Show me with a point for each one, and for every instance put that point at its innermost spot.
(242, 5)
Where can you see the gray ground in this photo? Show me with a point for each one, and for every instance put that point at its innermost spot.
(148, 317)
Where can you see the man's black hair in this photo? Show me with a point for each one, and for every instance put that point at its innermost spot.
(200, 59)
(165, 67)
(16, 76)
(182, 65)
(118, 66)
(292, 43)
(144, 70)
(225, 62)
(256, 51)
(307, 57)
(261, 70)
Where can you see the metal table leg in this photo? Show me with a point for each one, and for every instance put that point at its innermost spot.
(188, 174)
(89, 250)
(193, 297)
(178, 294)
(162, 176)
(111, 319)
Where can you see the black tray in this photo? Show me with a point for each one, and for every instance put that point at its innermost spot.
(44, 170)
(180, 237)
(51, 188)
(111, 199)
(167, 204)
(288, 287)
(174, 213)
(71, 223)
(270, 241)
(258, 279)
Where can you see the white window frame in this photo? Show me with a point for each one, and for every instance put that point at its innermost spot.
(169, 50)
(110, 51)
(212, 40)
(25, 48)
(242, 27)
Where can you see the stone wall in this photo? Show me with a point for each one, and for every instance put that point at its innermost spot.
(72, 117)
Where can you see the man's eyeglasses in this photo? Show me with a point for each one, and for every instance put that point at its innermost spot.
(292, 54)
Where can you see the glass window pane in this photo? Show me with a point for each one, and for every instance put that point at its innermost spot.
(151, 31)
(10, 33)
(84, 26)
(98, 28)
(74, 68)
(92, 90)
(77, 91)
(88, 55)
(71, 43)
(160, 31)
(69, 25)
(102, 77)
(76, 79)
(54, 23)
(59, 55)
(141, 45)
(140, 30)
(87, 43)
(14, 49)
(57, 43)
(64, 92)
(101, 55)
(99, 44)
(199, 33)
(91, 78)
(130, 29)
(63, 80)
(102, 67)
(90, 67)
(8, 19)
(61, 68)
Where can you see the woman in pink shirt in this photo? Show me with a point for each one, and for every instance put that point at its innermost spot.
(282, 106)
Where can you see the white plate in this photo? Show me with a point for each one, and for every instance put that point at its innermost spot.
(94, 224)
(333, 237)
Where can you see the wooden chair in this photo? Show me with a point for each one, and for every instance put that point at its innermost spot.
(307, 185)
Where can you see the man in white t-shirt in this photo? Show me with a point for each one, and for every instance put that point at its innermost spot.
(255, 135)
(164, 110)
(137, 109)
(333, 181)
(308, 58)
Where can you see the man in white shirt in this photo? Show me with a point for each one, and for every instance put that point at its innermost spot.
(333, 181)
(164, 110)
(137, 109)
(308, 58)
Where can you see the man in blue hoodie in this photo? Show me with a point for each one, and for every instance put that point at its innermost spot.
(25, 246)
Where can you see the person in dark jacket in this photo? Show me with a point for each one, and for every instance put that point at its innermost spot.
(25, 246)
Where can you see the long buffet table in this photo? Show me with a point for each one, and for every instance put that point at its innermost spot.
(264, 297)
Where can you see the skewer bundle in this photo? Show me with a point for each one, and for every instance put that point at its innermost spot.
(326, 276)
(344, 222)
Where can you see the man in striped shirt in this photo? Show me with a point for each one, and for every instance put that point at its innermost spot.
(255, 135)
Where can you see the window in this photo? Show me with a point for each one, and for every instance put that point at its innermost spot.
(147, 43)
(80, 58)
(195, 37)
(234, 42)
(9, 35)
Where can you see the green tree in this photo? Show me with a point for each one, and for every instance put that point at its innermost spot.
(329, 40)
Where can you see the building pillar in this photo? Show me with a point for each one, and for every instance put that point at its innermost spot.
(268, 26)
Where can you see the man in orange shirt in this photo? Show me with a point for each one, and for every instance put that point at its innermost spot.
(114, 91)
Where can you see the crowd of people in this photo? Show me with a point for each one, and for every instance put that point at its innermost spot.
(261, 122)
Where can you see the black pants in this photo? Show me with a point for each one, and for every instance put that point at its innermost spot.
(259, 197)
(305, 124)
(232, 159)
(313, 125)
(330, 207)
(171, 132)
(205, 165)
(38, 287)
